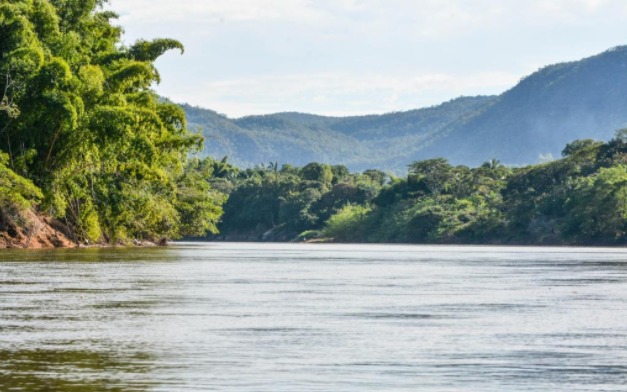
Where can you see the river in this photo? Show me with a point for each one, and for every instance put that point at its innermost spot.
(294, 317)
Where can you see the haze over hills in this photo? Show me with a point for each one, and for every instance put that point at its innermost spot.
(534, 119)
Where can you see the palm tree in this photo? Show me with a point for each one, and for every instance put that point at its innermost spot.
(492, 164)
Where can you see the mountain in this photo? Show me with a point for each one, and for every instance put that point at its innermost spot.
(534, 119)
(546, 110)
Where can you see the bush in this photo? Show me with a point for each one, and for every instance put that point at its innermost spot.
(348, 224)
(16, 192)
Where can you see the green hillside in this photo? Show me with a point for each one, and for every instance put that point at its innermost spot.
(528, 123)
(559, 103)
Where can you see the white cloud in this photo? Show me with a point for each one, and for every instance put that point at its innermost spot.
(359, 56)
(163, 11)
(371, 20)
(338, 93)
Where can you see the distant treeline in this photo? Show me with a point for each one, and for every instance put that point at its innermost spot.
(580, 199)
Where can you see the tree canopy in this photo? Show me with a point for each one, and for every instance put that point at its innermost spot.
(579, 199)
(79, 119)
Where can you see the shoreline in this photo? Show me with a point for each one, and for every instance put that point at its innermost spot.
(32, 230)
(134, 244)
(332, 241)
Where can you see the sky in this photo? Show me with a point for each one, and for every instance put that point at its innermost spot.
(349, 57)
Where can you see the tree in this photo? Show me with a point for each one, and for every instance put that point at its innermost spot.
(107, 153)
(340, 172)
(598, 207)
(621, 135)
(16, 192)
(492, 164)
(317, 172)
(377, 176)
(577, 146)
(434, 173)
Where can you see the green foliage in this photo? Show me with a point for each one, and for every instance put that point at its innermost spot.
(348, 224)
(16, 192)
(87, 223)
(339, 173)
(87, 140)
(433, 173)
(580, 146)
(377, 176)
(199, 206)
(387, 141)
(598, 207)
(317, 172)
(621, 135)
(290, 200)
(580, 199)
(79, 119)
(295, 208)
(149, 51)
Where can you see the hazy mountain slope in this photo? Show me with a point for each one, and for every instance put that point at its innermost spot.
(359, 142)
(395, 138)
(261, 139)
(546, 110)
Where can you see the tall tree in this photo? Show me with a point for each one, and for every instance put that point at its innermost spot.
(80, 119)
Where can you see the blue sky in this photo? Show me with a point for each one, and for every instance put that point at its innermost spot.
(342, 57)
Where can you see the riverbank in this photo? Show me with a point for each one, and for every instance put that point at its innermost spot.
(28, 229)
(322, 239)
(31, 230)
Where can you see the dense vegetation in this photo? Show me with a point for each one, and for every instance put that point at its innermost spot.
(387, 141)
(533, 120)
(579, 199)
(83, 137)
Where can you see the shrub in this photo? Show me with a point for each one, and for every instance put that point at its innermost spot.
(348, 224)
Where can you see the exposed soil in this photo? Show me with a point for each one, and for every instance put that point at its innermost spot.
(30, 230)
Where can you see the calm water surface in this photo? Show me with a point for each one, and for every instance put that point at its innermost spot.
(268, 317)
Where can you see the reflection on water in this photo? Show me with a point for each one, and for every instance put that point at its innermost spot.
(85, 255)
(268, 317)
(68, 370)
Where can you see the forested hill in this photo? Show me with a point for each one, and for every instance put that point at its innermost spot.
(559, 103)
(360, 142)
(534, 119)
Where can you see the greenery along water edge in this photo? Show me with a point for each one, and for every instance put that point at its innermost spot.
(580, 199)
(83, 138)
(89, 154)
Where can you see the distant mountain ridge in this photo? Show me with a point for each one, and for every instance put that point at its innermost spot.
(536, 118)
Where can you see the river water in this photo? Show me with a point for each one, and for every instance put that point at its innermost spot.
(291, 317)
